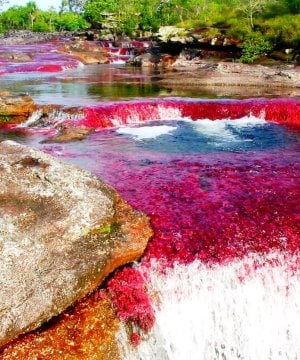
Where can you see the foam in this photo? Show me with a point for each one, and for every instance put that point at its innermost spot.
(247, 309)
(223, 130)
(146, 132)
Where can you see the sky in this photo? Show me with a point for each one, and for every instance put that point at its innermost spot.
(41, 4)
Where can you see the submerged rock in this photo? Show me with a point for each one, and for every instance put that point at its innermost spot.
(62, 231)
(15, 108)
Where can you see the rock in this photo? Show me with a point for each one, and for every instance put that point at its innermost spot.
(62, 231)
(16, 56)
(191, 74)
(22, 37)
(87, 331)
(15, 108)
(88, 58)
(88, 52)
(145, 60)
(167, 60)
(70, 134)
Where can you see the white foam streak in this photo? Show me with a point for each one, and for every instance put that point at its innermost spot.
(235, 311)
(215, 129)
(33, 118)
(146, 132)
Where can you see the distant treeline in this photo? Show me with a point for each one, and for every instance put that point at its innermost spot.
(274, 21)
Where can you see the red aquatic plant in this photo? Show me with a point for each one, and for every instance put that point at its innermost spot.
(129, 296)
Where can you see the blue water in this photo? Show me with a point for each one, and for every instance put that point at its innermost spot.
(207, 137)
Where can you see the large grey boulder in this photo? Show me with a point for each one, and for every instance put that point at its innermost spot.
(62, 231)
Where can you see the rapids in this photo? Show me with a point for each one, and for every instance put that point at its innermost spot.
(219, 180)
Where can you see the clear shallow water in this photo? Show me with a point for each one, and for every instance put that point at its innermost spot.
(85, 85)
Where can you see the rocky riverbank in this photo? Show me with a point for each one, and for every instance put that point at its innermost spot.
(233, 78)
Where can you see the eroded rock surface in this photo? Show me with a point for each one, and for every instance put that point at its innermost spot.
(62, 231)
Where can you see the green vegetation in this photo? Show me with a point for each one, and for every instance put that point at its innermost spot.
(254, 46)
(260, 25)
(29, 17)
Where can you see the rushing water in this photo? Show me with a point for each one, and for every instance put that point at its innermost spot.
(220, 183)
(223, 198)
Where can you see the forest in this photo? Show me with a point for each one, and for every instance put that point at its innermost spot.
(263, 23)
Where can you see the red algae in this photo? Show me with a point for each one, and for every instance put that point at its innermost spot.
(281, 111)
(130, 299)
(215, 213)
(42, 58)
(135, 339)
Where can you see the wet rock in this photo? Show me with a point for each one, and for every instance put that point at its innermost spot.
(70, 134)
(88, 58)
(15, 108)
(88, 52)
(146, 60)
(62, 231)
(16, 56)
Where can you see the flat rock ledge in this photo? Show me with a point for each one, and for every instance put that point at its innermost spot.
(62, 231)
(187, 74)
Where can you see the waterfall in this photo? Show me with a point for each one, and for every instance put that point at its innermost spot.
(246, 309)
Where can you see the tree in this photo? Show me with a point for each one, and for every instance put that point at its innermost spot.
(252, 7)
(64, 6)
(293, 6)
(76, 6)
(31, 8)
(20, 17)
(70, 22)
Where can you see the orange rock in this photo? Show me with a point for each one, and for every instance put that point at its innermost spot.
(15, 108)
(85, 332)
(70, 134)
(62, 232)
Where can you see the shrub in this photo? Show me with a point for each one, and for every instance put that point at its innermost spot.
(70, 22)
(254, 46)
(284, 29)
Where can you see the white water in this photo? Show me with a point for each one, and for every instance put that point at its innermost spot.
(224, 312)
(223, 130)
(146, 132)
(219, 130)
(162, 113)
